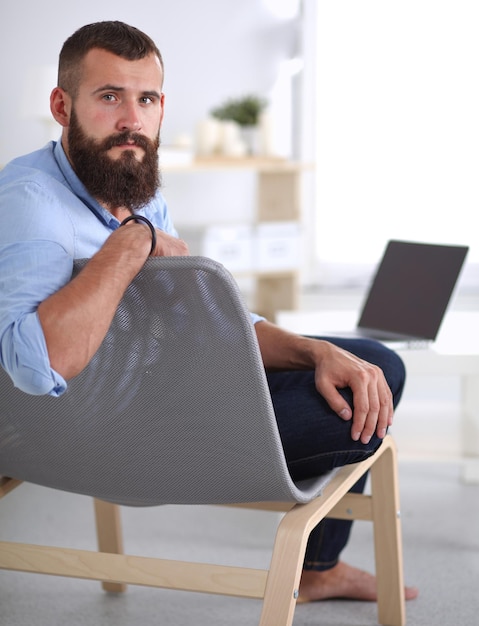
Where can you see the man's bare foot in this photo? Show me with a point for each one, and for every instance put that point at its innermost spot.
(342, 581)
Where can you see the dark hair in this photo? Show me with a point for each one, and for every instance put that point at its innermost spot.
(117, 37)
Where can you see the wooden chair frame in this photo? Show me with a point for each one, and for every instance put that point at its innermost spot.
(278, 586)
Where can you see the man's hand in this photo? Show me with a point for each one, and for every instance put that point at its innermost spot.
(137, 236)
(166, 245)
(334, 369)
(372, 398)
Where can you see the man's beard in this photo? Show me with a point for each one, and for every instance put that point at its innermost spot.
(123, 182)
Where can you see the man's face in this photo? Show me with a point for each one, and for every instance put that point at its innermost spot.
(113, 133)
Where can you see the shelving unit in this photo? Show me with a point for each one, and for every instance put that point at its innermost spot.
(278, 200)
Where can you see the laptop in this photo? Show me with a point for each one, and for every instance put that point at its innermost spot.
(410, 292)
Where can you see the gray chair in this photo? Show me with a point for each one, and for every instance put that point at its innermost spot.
(174, 408)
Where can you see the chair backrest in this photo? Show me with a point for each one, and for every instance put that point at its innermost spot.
(173, 408)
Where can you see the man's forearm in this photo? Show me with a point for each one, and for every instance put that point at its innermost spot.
(76, 318)
(281, 349)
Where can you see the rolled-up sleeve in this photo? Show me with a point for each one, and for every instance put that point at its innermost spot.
(48, 220)
(255, 318)
(31, 272)
(25, 358)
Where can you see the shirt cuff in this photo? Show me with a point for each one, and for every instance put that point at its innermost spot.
(25, 359)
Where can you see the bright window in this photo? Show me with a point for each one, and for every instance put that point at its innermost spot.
(397, 128)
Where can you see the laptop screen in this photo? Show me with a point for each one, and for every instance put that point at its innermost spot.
(412, 288)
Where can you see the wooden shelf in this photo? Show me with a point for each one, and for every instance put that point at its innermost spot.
(259, 164)
(278, 200)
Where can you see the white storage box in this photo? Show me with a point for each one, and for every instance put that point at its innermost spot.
(277, 246)
(230, 245)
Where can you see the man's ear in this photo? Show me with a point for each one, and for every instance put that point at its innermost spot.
(60, 106)
(162, 104)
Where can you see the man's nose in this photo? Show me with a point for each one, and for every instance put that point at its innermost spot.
(129, 118)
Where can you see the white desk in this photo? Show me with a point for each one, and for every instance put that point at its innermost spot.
(456, 352)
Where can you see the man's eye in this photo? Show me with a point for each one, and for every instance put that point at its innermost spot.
(109, 97)
(146, 100)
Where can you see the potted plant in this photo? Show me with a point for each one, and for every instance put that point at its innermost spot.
(246, 113)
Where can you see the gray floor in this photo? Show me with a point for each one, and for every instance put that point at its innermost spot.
(441, 548)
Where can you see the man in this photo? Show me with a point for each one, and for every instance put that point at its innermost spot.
(333, 402)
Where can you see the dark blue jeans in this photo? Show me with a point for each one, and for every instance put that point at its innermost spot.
(316, 440)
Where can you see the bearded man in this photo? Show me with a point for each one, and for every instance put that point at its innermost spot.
(96, 194)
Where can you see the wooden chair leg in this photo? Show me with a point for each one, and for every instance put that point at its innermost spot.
(290, 545)
(382, 507)
(387, 539)
(282, 584)
(109, 535)
(8, 484)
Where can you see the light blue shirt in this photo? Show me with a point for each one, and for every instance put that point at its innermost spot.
(48, 219)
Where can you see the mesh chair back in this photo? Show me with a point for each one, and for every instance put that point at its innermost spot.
(173, 408)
